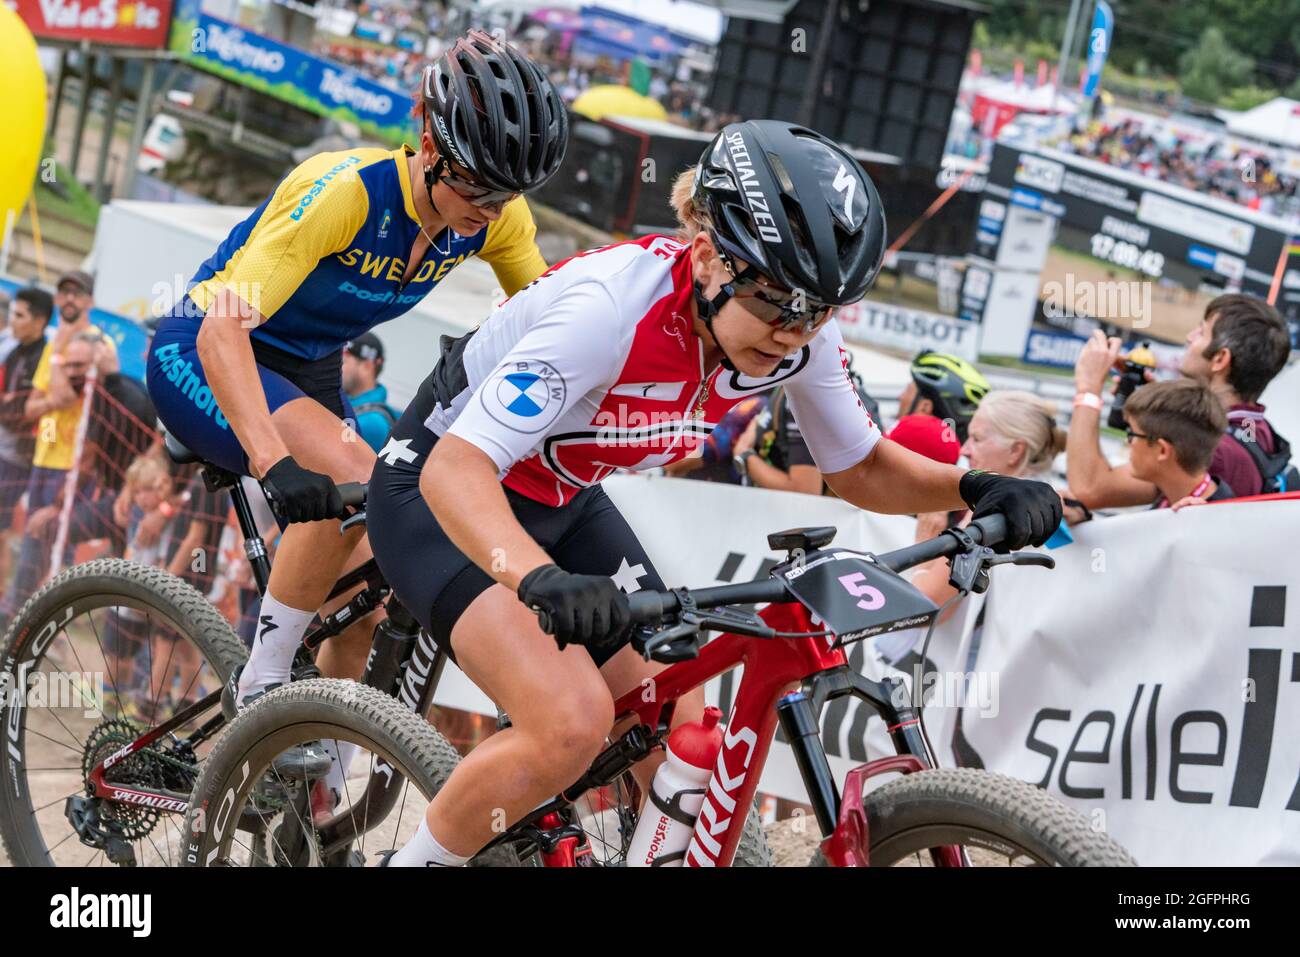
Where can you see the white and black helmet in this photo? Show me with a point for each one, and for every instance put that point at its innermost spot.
(795, 206)
(495, 114)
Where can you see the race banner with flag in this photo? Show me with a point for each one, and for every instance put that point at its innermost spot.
(1103, 24)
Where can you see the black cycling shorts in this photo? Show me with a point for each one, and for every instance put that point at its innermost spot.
(184, 402)
(436, 582)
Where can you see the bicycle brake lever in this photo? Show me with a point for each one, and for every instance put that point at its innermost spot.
(657, 647)
(739, 623)
(356, 518)
(1025, 558)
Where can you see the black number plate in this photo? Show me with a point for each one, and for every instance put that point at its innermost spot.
(854, 596)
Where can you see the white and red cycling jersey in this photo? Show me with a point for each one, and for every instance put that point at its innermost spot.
(595, 366)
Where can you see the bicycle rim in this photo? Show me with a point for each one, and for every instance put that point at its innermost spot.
(272, 812)
(100, 671)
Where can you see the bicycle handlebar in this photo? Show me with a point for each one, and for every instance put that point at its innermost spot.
(650, 607)
(353, 494)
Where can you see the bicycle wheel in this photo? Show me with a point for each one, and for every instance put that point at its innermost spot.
(1000, 821)
(103, 654)
(252, 804)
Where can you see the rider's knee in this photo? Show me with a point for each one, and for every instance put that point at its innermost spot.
(575, 733)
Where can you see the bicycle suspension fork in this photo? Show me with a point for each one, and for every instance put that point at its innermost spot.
(799, 713)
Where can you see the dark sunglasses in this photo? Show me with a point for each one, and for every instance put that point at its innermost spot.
(778, 308)
(470, 191)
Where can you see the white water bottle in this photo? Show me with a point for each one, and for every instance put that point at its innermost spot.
(677, 794)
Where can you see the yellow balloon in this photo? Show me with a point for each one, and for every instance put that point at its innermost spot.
(22, 112)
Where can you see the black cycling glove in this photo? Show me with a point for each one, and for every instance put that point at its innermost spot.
(1032, 509)
(577, 609)
(297, 494)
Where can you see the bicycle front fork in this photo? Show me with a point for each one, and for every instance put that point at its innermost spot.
(799, 713)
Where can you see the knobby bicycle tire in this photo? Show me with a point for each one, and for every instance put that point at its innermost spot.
(103, 583)
(980, 809)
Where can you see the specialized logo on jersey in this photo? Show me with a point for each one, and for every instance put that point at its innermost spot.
(525, 395)
(737, 385)
(384, 223)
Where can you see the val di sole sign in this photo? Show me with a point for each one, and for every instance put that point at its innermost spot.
(287, 73)
(133, 23)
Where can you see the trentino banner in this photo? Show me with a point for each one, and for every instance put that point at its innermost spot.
(287, 73)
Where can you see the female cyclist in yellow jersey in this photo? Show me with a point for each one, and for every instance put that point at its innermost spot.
(246, 368)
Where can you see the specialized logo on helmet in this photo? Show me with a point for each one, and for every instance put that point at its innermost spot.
(846, 184)
(755, 199)
(450, 141)
(525, 395)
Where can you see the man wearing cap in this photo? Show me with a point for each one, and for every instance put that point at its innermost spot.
(55, 404)
(362, 361)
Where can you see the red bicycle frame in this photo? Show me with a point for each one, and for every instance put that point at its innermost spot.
(773, 669)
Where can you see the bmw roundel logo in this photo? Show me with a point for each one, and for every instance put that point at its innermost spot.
(525, 395)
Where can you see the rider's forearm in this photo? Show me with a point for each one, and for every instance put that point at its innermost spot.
(459, 482)
(231, 370)
(895, 480)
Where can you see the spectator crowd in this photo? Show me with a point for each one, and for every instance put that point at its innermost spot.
(1211, 166)
(84, 473)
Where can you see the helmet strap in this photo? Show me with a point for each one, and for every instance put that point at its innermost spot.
(708, 309)
(431, 174)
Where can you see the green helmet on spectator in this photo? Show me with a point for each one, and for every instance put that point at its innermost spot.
(953, 386)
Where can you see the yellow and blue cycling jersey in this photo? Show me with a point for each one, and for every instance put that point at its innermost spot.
(323, 258)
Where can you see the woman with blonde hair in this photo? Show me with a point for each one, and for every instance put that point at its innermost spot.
(1012, 433)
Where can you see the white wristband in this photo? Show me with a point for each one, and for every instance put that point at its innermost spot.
(1090, 399)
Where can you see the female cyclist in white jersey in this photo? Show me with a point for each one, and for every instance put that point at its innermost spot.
(486, 507)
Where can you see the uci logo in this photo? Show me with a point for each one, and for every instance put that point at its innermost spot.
(526, 395)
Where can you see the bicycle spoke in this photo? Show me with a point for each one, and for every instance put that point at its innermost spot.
(75, 750)
(400, 811)
(60, 800)
(121, 709)
(51, 850)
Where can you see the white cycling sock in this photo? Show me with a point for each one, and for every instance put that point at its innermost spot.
(279, 633)
(423, 850)
(341, 754)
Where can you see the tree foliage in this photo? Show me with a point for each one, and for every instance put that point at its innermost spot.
(1174, 38)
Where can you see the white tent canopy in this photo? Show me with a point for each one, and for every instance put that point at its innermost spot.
(1277, 121)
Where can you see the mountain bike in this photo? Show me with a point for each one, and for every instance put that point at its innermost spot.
(243, 801)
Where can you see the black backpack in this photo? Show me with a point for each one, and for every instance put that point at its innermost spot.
(1276, 470)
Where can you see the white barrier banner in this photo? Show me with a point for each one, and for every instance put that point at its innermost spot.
(1153, 681)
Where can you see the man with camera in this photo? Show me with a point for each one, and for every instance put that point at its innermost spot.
(1237, 349)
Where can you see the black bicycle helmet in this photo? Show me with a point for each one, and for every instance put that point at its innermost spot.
(795, 206)
(495, 114)
(954, 387)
